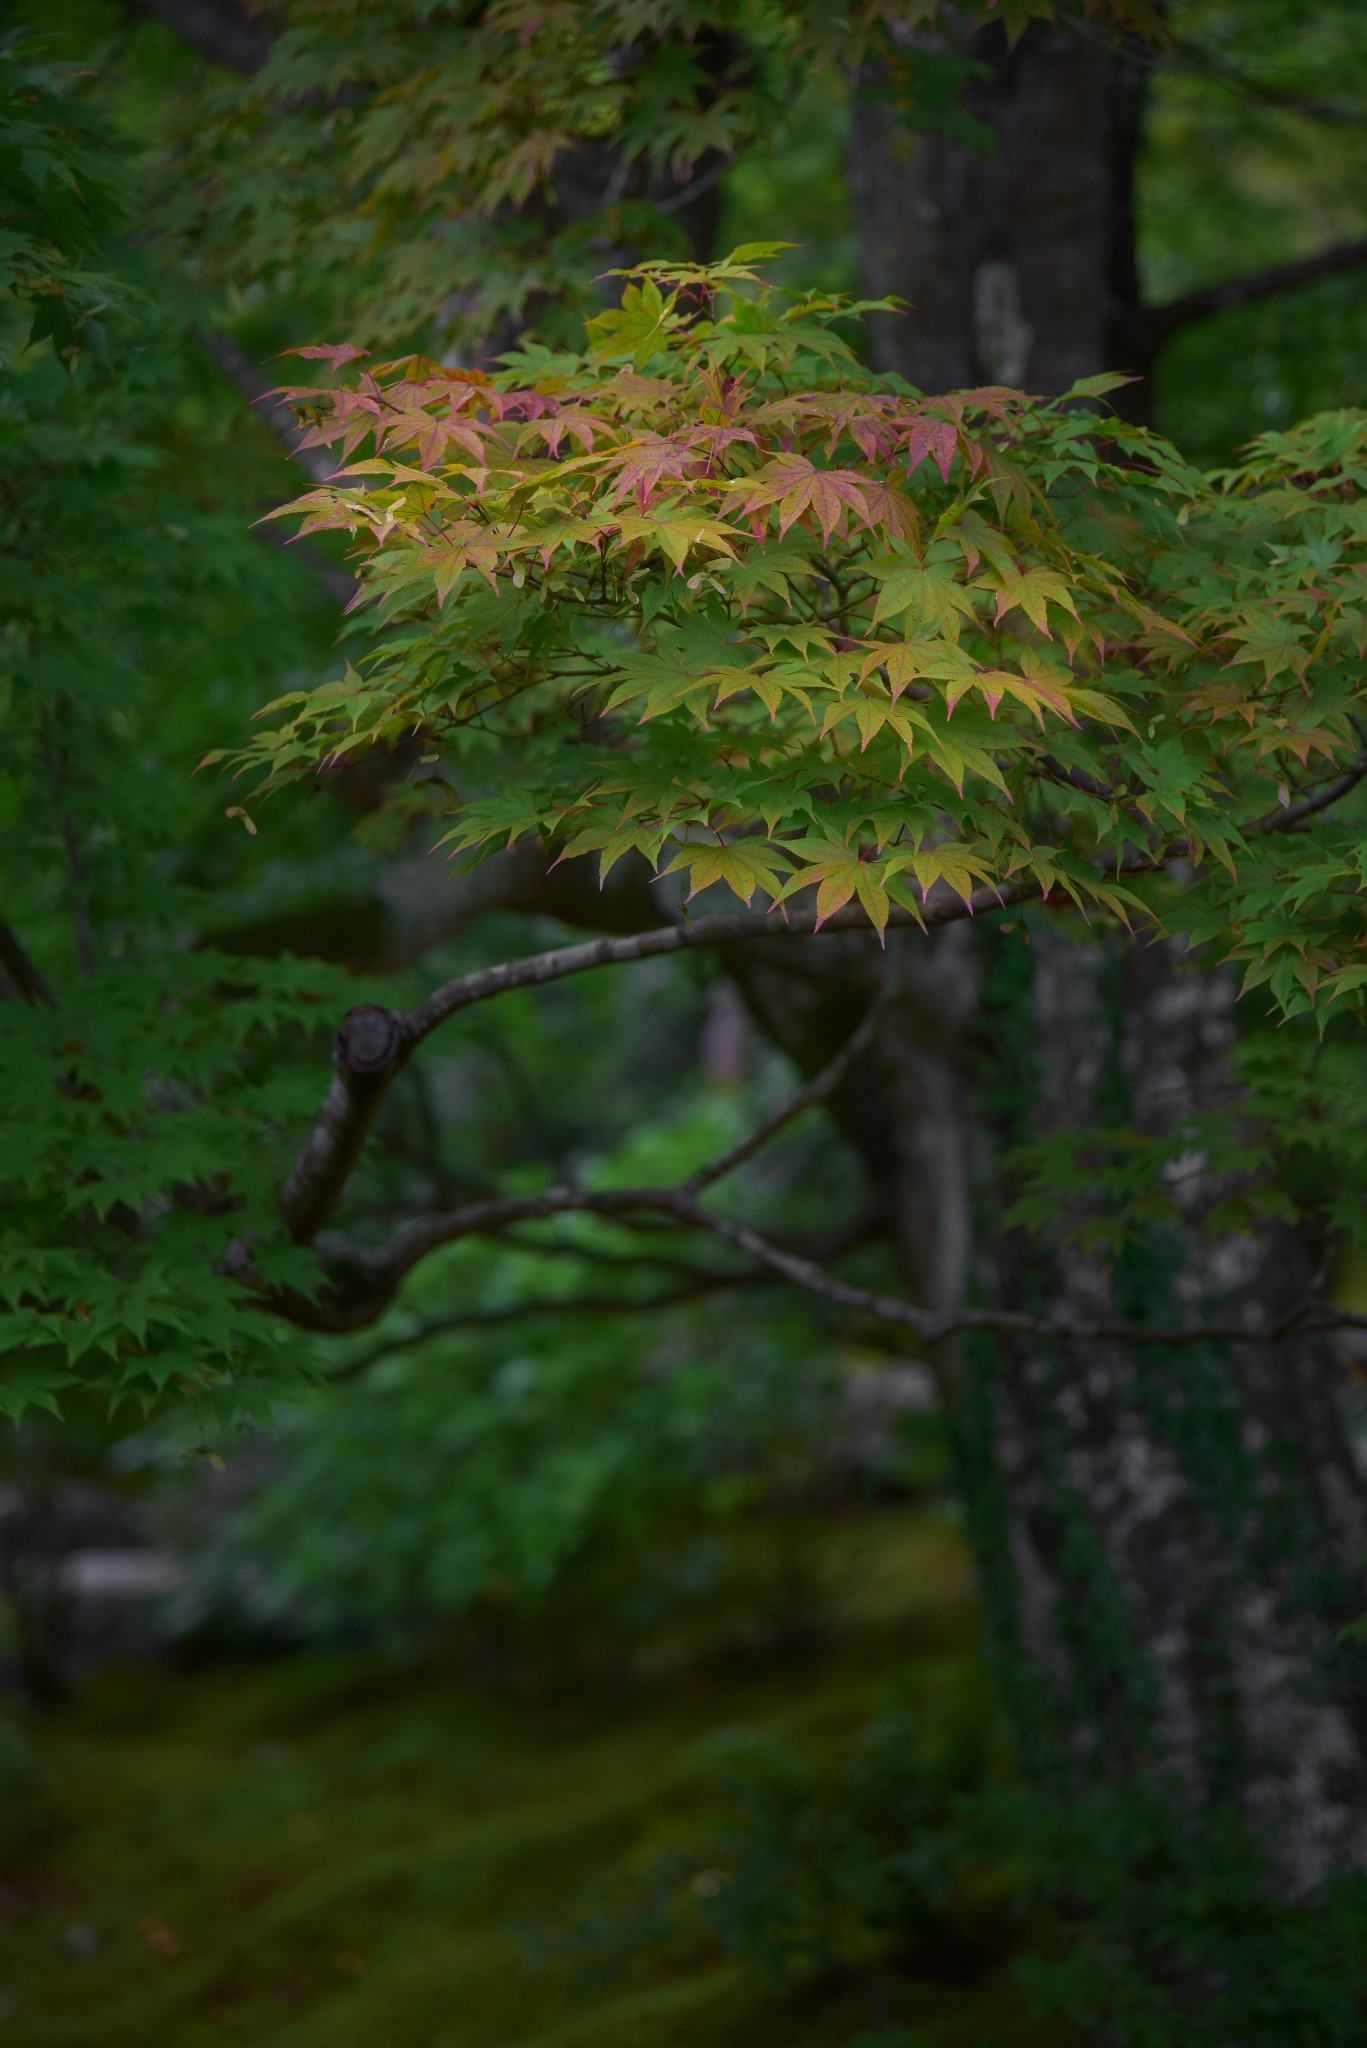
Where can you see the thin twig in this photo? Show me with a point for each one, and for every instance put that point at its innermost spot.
(387, 1267)
(578, 1304)
(816, 1090)
(320, 1174)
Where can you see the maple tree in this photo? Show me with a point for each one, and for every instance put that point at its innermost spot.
(712, 595)
(804, 658)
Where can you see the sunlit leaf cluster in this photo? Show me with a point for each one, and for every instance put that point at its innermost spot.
(713, 593)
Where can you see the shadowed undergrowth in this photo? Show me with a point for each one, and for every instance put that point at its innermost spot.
(330, 1849)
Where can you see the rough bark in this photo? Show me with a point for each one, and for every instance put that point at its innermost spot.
(1186, 1529)
(1176, 1529)
(1018, 265)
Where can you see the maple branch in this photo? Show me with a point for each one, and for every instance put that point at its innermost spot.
(368, 1054)
(384, 1269)
(325, 1163)
(1287, 816)
(221, 30)
(550, 1305)
(1162, 322)
(28, 982)
(816, 1090)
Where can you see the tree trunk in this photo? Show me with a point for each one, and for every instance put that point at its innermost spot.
(1168, 1537)
(1186, 1526)
(1174, 1535)
(1017, 265)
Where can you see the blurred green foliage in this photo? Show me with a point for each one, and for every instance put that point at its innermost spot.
(336, 1850)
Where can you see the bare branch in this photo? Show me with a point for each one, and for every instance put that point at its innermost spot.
(1177, 53)
(28, 982)
(551, 1305)
(251, 380)
(1162, 322)
(366, 1056)
(223, 31)
(386, 1267)
(816, 1090)
(1287, 816)
(316, 1185)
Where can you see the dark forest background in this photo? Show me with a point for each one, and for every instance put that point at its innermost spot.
(592, 1649)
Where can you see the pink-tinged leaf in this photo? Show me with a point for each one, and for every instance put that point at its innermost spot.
(888, 506)
(931, 437)
(834, 892)
(645, 465)
(333, 352)
(835, 491)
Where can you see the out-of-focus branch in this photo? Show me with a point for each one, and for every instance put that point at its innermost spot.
(370, 1277)
(1162, 322)
(247, 376)
(816, 1090)
(226, 33)
(553, 1305)
(27, 980)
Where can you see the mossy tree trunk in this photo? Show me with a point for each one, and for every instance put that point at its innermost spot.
(1169, 1538)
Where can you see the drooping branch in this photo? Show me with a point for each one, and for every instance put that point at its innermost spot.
(14, 960)
(553, 1305)
(224, 32)
(250, 379)
(1160, 323)
(380, 1272)
(319, 1177)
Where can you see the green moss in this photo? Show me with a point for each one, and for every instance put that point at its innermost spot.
(332, 1850)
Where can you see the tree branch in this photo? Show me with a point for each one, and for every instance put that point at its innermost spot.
(250, 379)
(578, 1304)
(220, 29)
(27, 980)
(1287, 816)
(315, 1186)
(1160, 323)
(816, 1090)
(385, 1268)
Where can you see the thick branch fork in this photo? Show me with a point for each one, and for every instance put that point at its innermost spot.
(374, 1044)
(369, 1279)
(361, 1075)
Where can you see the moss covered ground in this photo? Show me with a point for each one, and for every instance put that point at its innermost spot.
(329, 1850)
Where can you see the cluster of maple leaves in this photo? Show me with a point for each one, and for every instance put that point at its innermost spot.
(713, 593)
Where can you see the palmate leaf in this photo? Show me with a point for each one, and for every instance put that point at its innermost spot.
(754, 571)
(840, 874)
(743, 867)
